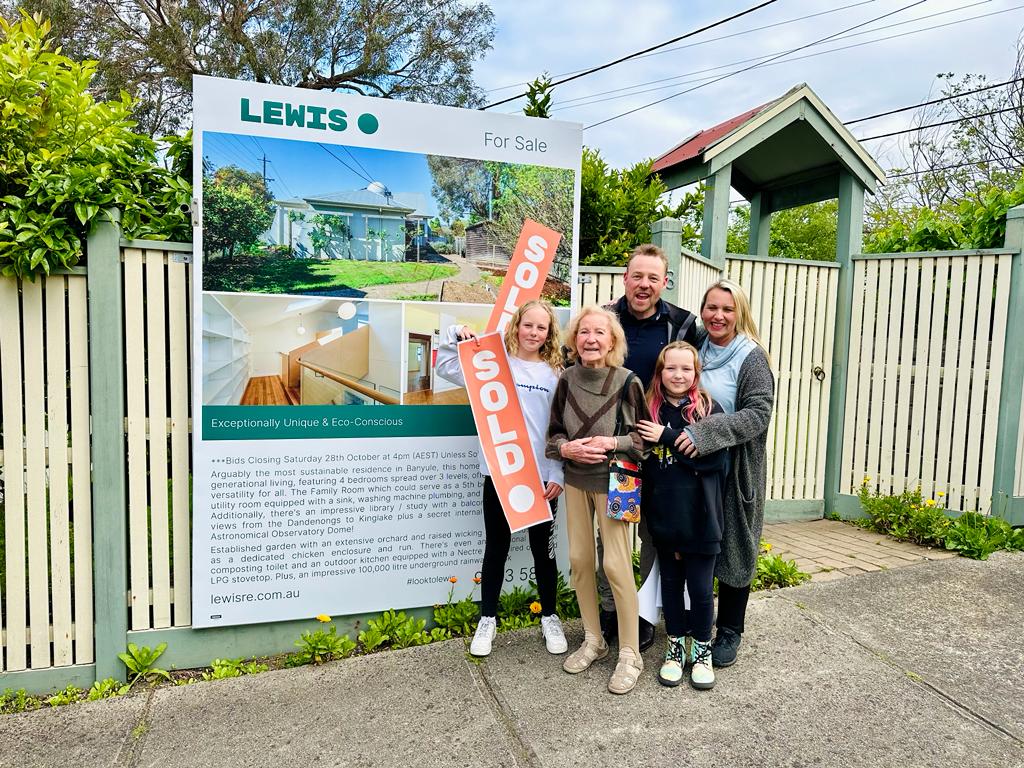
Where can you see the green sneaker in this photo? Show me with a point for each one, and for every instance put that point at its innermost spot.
(702, 673)
(671, 672)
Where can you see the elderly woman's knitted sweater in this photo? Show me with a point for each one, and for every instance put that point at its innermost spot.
(585, 405)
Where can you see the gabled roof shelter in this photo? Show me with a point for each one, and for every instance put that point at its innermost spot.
(788, 152)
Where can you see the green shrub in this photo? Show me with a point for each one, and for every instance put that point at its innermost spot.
(65, 157)
(221, 669)
(12, 702)
(141, 664)
(320, 646)
(104, 689)
(68, 695)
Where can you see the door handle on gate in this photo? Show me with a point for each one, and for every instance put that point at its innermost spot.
(818, 372)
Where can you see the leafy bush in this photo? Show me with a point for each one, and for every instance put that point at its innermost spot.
(141, 664)
(221, 669)
(65, 157)
(68, 695)
(458, 618)
(910, 517)
(320, 646)
(12, 702)
(104, 689)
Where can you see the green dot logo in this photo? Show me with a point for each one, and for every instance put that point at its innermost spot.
(368, 123)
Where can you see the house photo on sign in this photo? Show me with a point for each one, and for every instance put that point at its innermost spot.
(334, 470)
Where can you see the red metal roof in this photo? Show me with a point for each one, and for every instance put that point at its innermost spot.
(696, 144)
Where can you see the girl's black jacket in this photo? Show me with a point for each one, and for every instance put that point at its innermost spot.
(683, 497)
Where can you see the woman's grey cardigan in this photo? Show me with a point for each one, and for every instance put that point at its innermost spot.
(746, 432)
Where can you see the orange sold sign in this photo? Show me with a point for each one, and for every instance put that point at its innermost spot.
(527, 271)
(502, 429)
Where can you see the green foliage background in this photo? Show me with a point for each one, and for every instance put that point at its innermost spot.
(65, 157)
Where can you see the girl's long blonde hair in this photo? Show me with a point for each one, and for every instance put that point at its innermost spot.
(700, 401)
(617, 354)
(551, 351)
(744, 316)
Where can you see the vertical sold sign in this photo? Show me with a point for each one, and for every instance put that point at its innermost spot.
(527, 271)
(502, 429)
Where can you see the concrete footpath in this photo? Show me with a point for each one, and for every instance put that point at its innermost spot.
(920, 666)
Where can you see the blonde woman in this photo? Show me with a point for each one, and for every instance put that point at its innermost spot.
(583, 434)
(534, 347)
(736, 371)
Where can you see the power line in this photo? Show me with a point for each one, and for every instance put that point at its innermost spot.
(934, 101)
(600, 67)
(754, 66)
(567, 104)
(357, 173)
(944, 122)
(952, 167)
(356, 160)
(563, 104)
(709, 40)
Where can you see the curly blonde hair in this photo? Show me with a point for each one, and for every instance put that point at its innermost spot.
(617, 354)
(551, 351)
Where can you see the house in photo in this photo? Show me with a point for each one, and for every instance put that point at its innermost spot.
(262, 350)
(370, 224)
(483, 245)
(425, 328)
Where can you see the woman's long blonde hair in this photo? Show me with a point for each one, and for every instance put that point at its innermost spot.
(617, 354)
(744, 316)
(551, 351)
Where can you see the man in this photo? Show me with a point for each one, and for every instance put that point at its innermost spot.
(650, 323)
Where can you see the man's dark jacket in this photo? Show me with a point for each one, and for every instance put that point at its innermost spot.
(646, 338)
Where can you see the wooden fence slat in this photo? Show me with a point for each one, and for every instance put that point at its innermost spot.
(905, 367)
(797, 408)
(962, 428)
(817, 289)
(932, 417)
(81, 498)
(156, 379)
(921, 368)
(995, 382)
(828, 343)
(135, 385)
(876, 367)
(974, 474)
(869, 330)
(14, 476)
(897, 311)
(57, 468)
(947, 428)
(177, 327)
(776, 434)
(35, 462)
(853, 372)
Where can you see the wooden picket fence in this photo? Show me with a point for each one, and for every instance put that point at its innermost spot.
(927, 349)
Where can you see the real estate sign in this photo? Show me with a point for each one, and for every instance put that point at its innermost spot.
(340, 237)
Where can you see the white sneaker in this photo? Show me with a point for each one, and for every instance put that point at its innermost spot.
(554, 637)
(481, 645)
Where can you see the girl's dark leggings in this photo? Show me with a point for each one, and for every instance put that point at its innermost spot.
(696, 573)
(499, 540)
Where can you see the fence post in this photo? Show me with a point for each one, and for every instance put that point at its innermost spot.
(106, 383)
(1009, 424)
(849, 238)
(760, 226)
(667, 234)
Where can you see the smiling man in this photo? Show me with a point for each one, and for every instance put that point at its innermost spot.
(650, 323)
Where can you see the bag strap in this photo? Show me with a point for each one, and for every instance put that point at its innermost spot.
(622, 399)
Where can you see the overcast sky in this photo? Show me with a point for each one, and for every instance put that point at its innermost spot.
(560, 37)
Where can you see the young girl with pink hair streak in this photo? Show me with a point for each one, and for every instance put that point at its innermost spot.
(683, 501)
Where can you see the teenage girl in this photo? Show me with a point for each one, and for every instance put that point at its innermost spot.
(534, 349)
(682, 499)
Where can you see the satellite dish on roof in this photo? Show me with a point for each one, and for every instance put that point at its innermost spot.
(378, 188)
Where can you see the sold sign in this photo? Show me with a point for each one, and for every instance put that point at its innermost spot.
(502, 429)
(524, 281)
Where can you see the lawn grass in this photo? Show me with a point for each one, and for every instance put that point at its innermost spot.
(270, 274)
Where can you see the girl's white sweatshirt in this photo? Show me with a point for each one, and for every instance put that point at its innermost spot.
(535, 384)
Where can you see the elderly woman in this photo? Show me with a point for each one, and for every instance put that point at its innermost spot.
(736, 370)
(586, 432)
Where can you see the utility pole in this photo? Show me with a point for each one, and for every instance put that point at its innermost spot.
(266, 179)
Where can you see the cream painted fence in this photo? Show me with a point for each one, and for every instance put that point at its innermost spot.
(794, 308)
(47, 617)
(923, 382)
(157, 383)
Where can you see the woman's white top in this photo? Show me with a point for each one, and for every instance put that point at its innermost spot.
(535, 384)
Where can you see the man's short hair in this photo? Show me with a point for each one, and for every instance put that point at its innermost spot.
(648, 249)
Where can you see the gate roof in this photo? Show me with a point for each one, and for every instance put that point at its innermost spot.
(792, 149)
